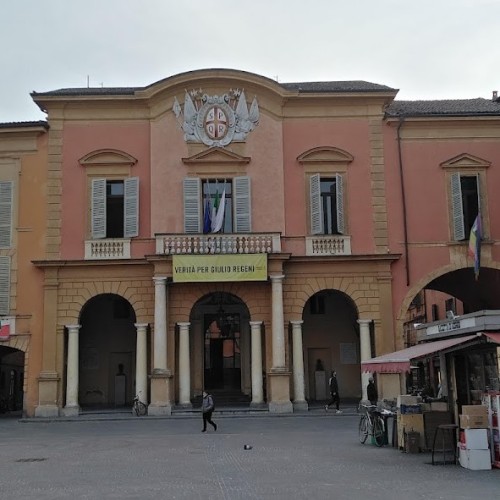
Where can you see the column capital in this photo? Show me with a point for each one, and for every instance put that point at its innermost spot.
(364, 321)
(255, 323)
(141, 325)
(159, 279)
(276, 277)
(73, 328)
(184, 324)
(296, 322)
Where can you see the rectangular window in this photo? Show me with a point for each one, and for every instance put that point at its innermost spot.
(215, 206)
(465, 204)
(327, 204)
(6, 188)
(449, 305)
(4, 285)
(115, 208)
(435, 312)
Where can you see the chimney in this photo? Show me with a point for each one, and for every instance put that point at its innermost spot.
(495, 96)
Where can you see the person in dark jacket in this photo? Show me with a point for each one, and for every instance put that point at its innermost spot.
(334, 392)
(207, 408)
(371, 391)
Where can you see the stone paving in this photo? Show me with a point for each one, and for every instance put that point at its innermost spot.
(309, 456)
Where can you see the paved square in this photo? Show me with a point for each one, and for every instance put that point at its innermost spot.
(291, 457)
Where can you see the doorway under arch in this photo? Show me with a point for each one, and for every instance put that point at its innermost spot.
(107, 347)
(222, 346)
(11, 380)
(331, 341)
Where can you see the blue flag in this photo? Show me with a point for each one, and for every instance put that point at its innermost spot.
(207, 219)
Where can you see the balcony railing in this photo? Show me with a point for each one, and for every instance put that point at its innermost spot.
(326, 244)
(174, 244)
(107, 249)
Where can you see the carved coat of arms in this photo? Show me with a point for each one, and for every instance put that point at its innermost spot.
(216, 120)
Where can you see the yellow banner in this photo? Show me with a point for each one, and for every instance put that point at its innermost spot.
(246, 267)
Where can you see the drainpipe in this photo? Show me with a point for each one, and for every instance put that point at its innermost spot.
(403, 196)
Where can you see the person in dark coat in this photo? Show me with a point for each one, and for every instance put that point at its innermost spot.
(371, 391)
(334, 392)
(207, 408)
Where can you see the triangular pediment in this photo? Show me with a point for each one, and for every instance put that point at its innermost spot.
(108, 157)
(216, 155)
(325, 154)
(466, 160)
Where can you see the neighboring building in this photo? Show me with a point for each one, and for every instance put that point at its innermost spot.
(340, 206)
(23, 221)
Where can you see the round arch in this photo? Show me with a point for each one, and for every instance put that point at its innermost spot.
(107, 347)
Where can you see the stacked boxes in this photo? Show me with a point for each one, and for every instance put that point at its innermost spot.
(410, 419)
(473, 446)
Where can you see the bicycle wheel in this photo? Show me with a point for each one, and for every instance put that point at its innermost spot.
(378, 431)
(363, 429)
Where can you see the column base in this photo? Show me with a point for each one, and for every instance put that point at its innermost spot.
(280, 407)
(300, 406)
(46, 411)
(257, 405)
(71, 411)
(157, 410)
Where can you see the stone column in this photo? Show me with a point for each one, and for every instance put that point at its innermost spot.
(279, 377)
(299, 401)
(184, 366)
(365, 352)
(257, 388)
(141, 363)
(278, 329)
(72, 408)
(160, 326)
(160, 376)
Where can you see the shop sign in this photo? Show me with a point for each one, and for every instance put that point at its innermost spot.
(448, 327)
(200, 268)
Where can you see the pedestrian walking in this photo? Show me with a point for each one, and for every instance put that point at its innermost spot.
(334, 392)
(207, 408)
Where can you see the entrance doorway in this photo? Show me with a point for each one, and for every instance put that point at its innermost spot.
(11, 380)
(222, 353)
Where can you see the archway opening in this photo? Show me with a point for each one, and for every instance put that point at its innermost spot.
(221, 333)
(331, 341)
(11, 381)
(107, 346)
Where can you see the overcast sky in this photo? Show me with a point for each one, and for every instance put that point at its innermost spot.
(428, 49)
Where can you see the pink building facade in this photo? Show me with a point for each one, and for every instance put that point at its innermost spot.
(337, 206)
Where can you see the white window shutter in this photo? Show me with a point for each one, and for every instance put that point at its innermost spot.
(315, 204)
(339, 180)
(131, 207)
(98, 208)
(242, 205)
(192, 205)
(6, 188)
(457, 208)
(4, 285)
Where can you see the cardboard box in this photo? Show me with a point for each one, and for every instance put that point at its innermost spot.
(474, 459)
(409, 423)
(406, 399)
(439, 406)
(473, 422)
(474, 439)
(475, 410)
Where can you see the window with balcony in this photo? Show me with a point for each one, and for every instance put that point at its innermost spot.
(115, 208)
(327, 204)
(214, 206)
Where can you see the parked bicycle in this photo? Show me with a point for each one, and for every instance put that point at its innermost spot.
(371, 424)
(139, 407)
